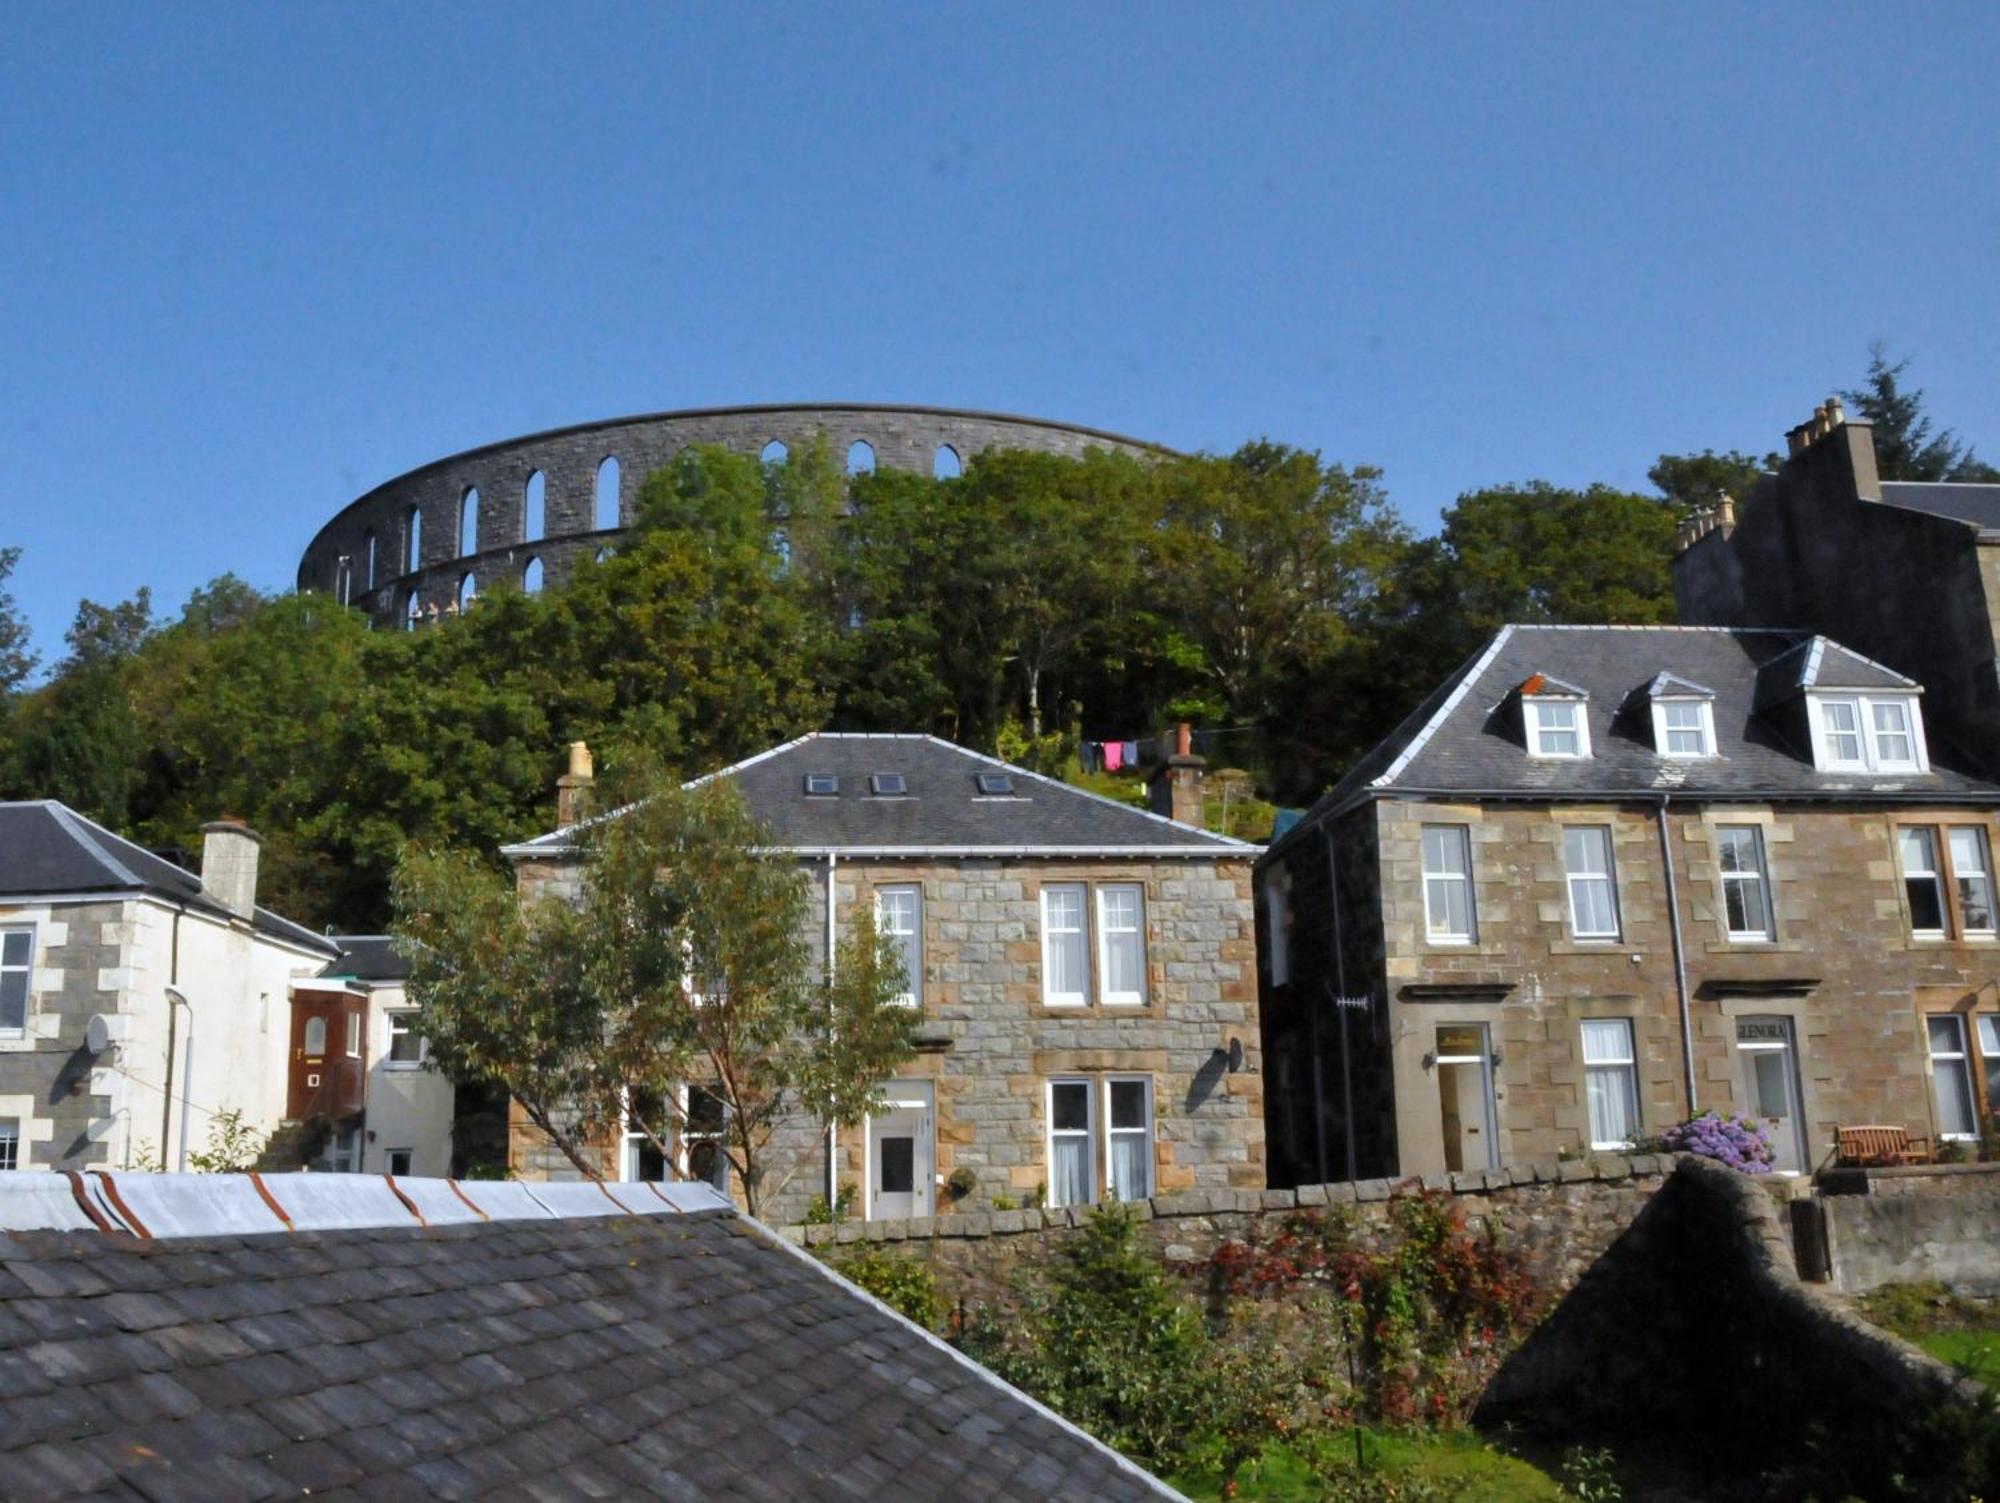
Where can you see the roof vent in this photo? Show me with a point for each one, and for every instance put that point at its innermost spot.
(822, 785)
(995, 784)
(888, 784)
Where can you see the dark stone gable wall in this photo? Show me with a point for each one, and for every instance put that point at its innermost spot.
(1816, 550)
(906, 438)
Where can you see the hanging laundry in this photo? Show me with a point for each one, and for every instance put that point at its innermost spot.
(1114, 756)
(1129, 751)
(1086, 756)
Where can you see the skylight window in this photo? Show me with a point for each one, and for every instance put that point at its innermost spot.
(995, 784)
(822, 785)
(887, 784)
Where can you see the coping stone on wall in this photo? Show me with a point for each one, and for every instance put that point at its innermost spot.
(1202, 1203)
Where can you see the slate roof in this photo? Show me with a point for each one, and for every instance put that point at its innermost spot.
(944, 808)
(1466, 738)
(48, 850)
(366, 957)
(683, 1355)
(1977, 504)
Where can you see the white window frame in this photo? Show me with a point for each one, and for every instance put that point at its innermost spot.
(1960, 1060)
(26, 971)
(10, 1144)
(1935, 875)
(1112, 1133)
(1089, 1133)
(1538, 727)
(353, 1034)
(1865, 734)
(1104, 932)
(1760, 878)
(1986, 1031)
(686, 1136)
(1608, 877)
(1664, 732)
(407, 1017)
(1628, 1066)
(1432, 933)
(913, 993)
(1051, 997)
(1982, 873)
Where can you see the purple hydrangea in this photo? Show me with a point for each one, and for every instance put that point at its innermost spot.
(1736, 1141)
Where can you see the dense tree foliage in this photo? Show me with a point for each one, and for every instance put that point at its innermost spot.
(16, 660)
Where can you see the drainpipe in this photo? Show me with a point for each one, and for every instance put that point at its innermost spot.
(1680, 959)
(1340, 983)
(832, 1129)
(173, 991)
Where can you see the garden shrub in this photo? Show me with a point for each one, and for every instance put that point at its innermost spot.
(1736, 1141)
(905, 1284)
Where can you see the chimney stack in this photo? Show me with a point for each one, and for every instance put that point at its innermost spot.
(229, 850)
(573, 785)
(1174, 787)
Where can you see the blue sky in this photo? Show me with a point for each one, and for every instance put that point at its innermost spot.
(254, 261)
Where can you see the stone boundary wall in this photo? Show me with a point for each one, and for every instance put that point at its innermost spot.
(1559, 1217)
(1926, 1222)
(1693, 1334)
(569, 461)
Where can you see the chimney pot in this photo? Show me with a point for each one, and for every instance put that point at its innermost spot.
(229, 851)
(573, 785)
(1836, 414)
(1174, 787)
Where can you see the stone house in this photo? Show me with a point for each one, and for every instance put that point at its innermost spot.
(137, 1000)
(1084, 970)
(1607, 877)
(1905, 571)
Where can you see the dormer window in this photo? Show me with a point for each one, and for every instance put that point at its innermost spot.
(887, 784)
(822, 785)
(1867, 733)
(1683, 728)
(1553, 719)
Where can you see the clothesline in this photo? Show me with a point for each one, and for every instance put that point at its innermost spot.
(1114, 756)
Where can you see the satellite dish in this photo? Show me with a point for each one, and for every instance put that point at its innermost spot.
(97, 1035)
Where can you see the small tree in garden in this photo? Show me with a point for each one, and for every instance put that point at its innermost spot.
(677, 992)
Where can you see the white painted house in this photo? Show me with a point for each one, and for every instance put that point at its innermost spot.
(137, 999)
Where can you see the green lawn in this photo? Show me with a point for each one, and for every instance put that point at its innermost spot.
(1461, 1463)
(1963, 1332)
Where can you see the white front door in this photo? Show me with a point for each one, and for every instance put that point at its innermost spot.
(1771, 1087)
(901, 1154)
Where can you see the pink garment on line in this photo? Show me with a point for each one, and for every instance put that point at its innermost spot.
(1114, 756)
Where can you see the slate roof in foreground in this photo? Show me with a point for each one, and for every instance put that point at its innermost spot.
(49, 850)
(685, 1354)
(1466, 738)
(943, 808)
(1977, 503)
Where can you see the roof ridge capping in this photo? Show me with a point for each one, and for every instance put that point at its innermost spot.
(160, 1206)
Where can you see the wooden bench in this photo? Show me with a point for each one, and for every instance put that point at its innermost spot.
(1880, 1145)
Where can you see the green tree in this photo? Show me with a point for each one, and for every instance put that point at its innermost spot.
(1266, 563)
(1906, 447)
(17, 660)
(682, 959)
(108, 635)
(1698, 482)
